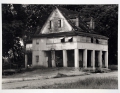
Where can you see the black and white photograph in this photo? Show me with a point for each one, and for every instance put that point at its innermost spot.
(59, 46)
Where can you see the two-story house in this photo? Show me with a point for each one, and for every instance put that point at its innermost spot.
(66, 40)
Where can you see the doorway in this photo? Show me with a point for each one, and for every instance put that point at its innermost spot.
(103, 59)
(48, 58)
(80, 58)
(70, 56)
(89, 58)
(59, 58)
(96, 58)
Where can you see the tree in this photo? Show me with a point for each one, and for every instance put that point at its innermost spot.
(36, 17)
(13, 26)
(18, 20)
(106, 23)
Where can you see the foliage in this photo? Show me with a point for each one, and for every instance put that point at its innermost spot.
(13, 20)
(106, 23)
(36, 17)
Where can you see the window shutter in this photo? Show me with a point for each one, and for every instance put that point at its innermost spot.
(37, 58)
(61, 22)
(50, 25)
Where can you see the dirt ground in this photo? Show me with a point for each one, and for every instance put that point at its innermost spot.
(39, 72)
(35, 83)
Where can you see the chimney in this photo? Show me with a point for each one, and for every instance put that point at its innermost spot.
(92, 24)
(77, 22)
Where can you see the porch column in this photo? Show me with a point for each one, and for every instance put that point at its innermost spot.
(64, 58)
(85, 58)
(25, 60)
(100, 58)
(53, 58)
(76, 58)
(93, 58)
(106, 59)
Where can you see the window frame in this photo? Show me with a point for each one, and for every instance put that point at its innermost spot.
(37, 41)
(50, 24)
(63, 40)
(59, 23)
(92, 40)
(37, 58)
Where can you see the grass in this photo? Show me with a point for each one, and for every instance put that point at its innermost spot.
(89, 83)
(40, 71)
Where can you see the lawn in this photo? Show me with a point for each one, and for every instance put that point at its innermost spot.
(89, 83)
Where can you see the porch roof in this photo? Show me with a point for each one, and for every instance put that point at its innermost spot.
(71, 33)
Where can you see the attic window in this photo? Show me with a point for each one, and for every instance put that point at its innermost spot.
(59, 23)
(50, 24)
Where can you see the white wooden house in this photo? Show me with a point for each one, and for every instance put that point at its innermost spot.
(67, 37)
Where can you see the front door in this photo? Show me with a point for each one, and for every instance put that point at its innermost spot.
(48, 58)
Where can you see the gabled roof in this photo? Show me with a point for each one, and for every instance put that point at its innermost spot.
(83, 29)
(69, 14)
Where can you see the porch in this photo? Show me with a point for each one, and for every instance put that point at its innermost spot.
(78, 58)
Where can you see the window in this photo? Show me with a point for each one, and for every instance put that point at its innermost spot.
(37, 41)
(63, 40)
(88, 39)
(91, 40)
(106, 42)
(59, 23)
(50, 24)
(83, 39)
(97, 41)
(70, 39)
(50, 41)
(37, 59)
